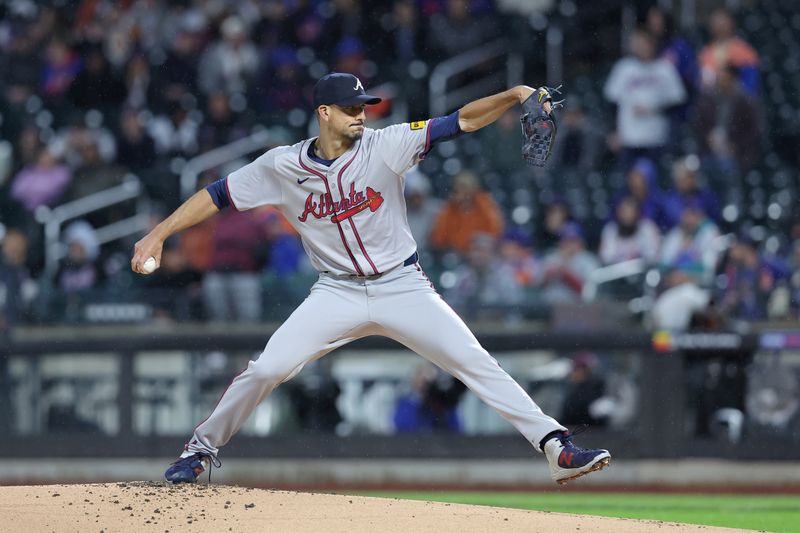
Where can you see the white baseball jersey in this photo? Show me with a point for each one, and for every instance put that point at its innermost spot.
(351, 215)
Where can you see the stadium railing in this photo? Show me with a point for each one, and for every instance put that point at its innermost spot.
(54, 219)
(443, 98)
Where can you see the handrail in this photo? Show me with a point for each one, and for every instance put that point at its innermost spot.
(441, 101)
(53, 219)
(222, 154)
(610, 273)
(638, 266)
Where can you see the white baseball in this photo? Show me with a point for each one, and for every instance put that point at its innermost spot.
(149, 266)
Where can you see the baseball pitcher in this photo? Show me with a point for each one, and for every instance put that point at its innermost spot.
(343, 193)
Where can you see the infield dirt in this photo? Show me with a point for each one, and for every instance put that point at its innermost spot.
(158, 507)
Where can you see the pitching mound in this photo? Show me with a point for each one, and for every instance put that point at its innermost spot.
(147, 506)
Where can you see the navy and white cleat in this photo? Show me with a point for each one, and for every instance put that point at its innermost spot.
(568, 461)
(188, 469)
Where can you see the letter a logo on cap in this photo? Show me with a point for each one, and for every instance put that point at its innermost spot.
(358, 85)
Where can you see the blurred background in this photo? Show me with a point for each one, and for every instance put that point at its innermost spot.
(645, 282)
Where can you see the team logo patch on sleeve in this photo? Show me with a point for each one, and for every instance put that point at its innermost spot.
(418, 125)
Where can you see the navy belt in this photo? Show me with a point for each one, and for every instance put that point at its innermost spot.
(414, 258)
(411, 260)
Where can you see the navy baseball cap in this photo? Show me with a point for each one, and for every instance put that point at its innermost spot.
(341, 89)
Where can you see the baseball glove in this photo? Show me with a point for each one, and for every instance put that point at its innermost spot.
(539, 126)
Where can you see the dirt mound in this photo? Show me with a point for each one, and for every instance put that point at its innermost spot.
(158, 507)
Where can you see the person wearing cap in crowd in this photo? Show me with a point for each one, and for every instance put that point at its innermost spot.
(641, 182)
(681, 298)
(687, 188)
(566, 269)
(693, 240)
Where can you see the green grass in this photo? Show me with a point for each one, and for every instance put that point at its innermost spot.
(763, 513)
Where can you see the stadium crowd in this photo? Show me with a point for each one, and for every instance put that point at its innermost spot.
(95, 90)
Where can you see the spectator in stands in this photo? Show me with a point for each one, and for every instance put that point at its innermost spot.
(728, 125)
(350, 55)
(430, 404)
(557, 214)
(42, 183)
(749, 280)
(232, 287)
(92, 174)
(682, 298)
(177, 77)
(140, 86)
(687, 189)
(629, 236)
(229, 65)
(642, 185)
(580, 143)
(60, 68)
(16, 284)
(282, 84)
(175, 133)
(502, 144)
(404, 27)
(136, 150)
(346, 22)
(286, 254)
(467, 212)
(516, 252)
(676, 49)
(726, 49)
(457, 30)
(584, 387)
(97, 86)
(222, 126)
(793, 264)
(566, 269)
(79, 270)
(27, 147)
(22, 69)
(422, 208)
(175, 286)
(643, 88)
(692, 242)
(484, 280)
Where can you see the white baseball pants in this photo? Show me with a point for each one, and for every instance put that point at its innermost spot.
(401, 305)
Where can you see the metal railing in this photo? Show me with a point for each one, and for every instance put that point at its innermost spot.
(634, 267)
(53, 219)
(442, 100)
(224, 154)
(610, 273)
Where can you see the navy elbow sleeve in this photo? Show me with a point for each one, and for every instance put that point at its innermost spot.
(445, 128)
(219, 193)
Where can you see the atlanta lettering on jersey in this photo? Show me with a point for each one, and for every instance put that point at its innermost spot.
(348, 206)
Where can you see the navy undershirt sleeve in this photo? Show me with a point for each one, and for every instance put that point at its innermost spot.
(444, 128)
(219, 193)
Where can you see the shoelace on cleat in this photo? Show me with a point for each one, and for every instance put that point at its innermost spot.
(213, 462)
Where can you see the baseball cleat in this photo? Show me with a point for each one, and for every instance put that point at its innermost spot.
(568, 462)
(188, 469)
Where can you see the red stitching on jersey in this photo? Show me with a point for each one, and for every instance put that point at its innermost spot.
(352, 224)
(338, 224)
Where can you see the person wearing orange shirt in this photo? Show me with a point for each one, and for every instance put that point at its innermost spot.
(469, 211)
(727, 49)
